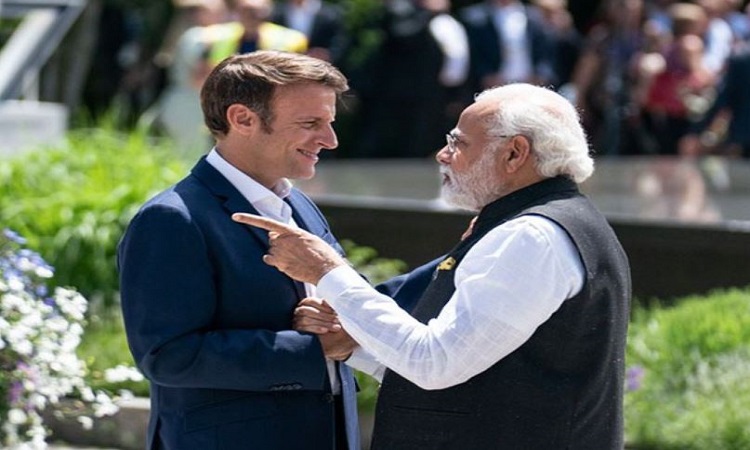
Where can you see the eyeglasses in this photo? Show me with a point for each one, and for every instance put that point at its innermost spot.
(452, 141)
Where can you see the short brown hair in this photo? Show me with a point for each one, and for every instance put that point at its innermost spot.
(251, 79)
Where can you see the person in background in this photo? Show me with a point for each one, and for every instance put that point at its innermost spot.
(322, 23)
(725, 129)
(412, 81)
(518, 341)
(718, 36)
(605, 77)
(241, 29)
(250, 30)
(564, 38)
(177, 110)
(677, 86)
(738, 19)
(207, 322)
(508, 44)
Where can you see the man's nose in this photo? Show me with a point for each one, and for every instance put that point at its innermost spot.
(328, 138)
(443, 156)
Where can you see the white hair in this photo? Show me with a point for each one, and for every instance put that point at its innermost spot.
(549, 121)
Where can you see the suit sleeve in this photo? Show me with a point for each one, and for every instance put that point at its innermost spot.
(408, 288)
(169, 301)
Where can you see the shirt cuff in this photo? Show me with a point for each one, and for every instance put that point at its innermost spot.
(338, 280)
(365, 362)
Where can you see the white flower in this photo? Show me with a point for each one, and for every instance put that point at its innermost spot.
(125, 394)
(43, 272)
(15, 284)
(104, 405)
(122, 373)
(16, 416)
(87, 394)
(86, 422)
(39, 337)
(23, 347)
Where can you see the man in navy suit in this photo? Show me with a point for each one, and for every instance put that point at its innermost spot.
(321, 22)
(507, 44)
(733, 100)
(208, 323)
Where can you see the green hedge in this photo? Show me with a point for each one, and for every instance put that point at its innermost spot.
(74, 201)
(689, 367)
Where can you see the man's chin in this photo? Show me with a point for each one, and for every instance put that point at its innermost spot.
(306, 174)
(458, 201)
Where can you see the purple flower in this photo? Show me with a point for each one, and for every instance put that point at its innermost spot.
(16, 392)
(634, 378)
(13, 236)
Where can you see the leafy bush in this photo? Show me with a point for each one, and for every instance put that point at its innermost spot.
(74, 202)
(689, 367)
(105, 350)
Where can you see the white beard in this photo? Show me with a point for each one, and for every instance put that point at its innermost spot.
(473, 189)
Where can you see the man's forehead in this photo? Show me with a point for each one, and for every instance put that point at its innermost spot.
(477, 114)
(313, 91)
(305, 100)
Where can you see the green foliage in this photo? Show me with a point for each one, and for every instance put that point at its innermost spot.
(377, 270)
(362, 24)
(74, 202)
(369, 264)
(7, 28)
(104, 346)
(695, 363)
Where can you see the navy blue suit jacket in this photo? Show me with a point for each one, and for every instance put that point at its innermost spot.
(734, 95)
(209, 324)
(328, 29)
(486, 54)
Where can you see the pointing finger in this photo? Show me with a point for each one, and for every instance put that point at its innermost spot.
(261, 222)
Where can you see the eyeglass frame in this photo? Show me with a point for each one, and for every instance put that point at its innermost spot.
(451, 141)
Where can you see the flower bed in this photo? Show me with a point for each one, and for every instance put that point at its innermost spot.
(40, 329)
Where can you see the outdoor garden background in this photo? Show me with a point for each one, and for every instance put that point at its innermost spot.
(63, 209)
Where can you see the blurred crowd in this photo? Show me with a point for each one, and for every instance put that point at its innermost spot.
(650, 77)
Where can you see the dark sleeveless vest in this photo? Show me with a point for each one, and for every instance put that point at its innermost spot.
(563, 388)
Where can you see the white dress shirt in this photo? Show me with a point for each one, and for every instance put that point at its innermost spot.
(451, 37)
(511, 22)
(269, 203)
(508, 284)
(301, 18)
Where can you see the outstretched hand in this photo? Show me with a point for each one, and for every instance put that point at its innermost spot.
(299, 254)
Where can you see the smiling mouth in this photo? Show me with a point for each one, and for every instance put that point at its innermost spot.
(309, 155)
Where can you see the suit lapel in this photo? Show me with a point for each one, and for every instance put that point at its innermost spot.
(305, 221)
(305, 215)
(228, 195)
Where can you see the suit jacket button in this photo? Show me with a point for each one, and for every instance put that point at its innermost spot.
(329, 398)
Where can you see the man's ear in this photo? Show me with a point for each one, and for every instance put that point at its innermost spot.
(242, 119)
(518, 153)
